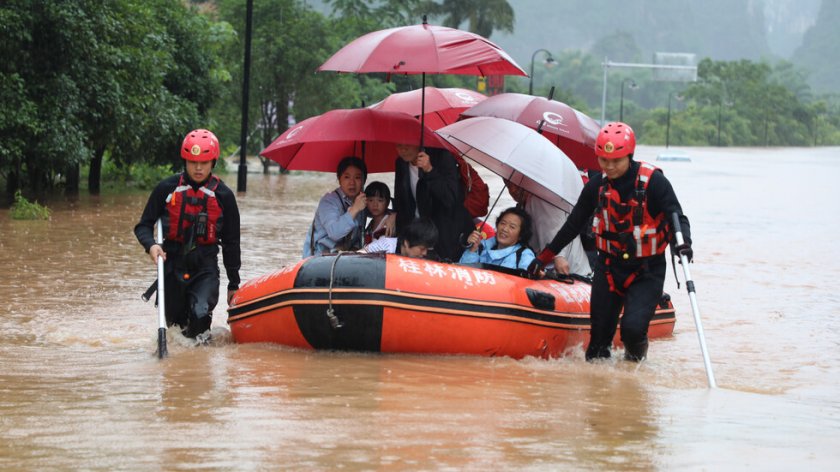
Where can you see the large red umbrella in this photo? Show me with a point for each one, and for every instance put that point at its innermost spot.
(569, 129)
(443, 106)
(319, 143)
(423, 49)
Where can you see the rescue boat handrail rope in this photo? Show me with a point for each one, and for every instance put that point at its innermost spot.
(692, 296)
(335, 323)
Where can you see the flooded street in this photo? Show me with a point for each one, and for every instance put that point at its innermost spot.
(81, 388)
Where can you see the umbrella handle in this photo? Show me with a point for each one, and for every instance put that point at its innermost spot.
(483, 223)
(422, 108)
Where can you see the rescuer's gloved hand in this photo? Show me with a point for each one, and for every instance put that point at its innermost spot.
(684, 249)
(536, 266)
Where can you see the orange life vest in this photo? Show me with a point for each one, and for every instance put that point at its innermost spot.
(626, 229)
(195, 211)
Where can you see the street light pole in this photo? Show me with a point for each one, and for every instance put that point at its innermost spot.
(668, 122)
(242, 176)
(621, 106)
(549, 59)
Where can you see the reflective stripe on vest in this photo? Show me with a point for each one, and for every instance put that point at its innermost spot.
(626, 229)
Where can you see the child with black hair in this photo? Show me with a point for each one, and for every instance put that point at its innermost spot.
(416, 239)
(378, 200)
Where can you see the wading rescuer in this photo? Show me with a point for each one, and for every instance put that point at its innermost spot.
(199, 214)
(632, 203)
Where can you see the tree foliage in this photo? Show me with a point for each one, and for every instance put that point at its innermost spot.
(90, 77)
(119, 82)
(745, 103)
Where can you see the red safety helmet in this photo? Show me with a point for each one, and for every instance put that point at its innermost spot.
(615, 140)
(200, 145)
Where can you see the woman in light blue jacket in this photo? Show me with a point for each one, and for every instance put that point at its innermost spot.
(509, 248)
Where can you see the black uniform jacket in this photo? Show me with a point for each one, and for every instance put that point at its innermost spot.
(228, 238)
(660, 198)
(440, 196)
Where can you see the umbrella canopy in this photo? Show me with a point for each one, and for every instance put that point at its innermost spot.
(319, 143)
(443, 106)
(423, 49)
(518, 154)
(569, 129)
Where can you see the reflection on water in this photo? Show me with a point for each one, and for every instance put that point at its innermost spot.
(81, 388)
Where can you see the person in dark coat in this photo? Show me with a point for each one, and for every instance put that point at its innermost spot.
(427, 184)
(199, 214)
(632, 203)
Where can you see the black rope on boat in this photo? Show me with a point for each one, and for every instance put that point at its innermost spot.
(335, 322)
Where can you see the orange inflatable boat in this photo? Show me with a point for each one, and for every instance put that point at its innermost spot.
(395, 304)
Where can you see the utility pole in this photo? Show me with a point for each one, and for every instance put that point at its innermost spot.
(242, 177)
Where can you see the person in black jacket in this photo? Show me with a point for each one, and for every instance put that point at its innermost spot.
(632, 203)
(199, 213)
(427, 184)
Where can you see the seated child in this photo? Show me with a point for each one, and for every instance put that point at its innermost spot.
(378, 199)
(416, 239)
(509, 248)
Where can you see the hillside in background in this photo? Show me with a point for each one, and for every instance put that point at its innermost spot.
(802, 31)
(719, 29)
(819, 53)
(786, 22)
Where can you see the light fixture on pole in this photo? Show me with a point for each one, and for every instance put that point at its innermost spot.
(548, 60)
(668, 121)
(633, 86)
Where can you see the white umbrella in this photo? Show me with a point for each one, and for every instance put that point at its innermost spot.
(518, 154)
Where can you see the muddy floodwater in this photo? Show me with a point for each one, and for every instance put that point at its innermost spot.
(81, 388)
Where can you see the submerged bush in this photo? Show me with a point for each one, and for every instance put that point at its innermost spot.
(23, 209)
(139, 175)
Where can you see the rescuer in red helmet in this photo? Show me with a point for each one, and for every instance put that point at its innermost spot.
(199, 214)
(632, 203)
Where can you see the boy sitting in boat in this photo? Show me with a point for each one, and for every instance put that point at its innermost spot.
(416, 239)
(340, 218)
(378, 199)
(509, 248)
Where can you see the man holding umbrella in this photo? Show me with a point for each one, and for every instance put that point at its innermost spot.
(427, 184)
(632, 203)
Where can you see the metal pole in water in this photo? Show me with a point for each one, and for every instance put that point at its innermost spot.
(161, 304)
(692, 296)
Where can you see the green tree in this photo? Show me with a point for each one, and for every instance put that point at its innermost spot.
(168, 74)
(289, 42)
(92, 78)
(39, 130)
(482, 17)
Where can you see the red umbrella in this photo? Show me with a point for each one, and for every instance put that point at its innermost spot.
(443, 106)
(320, 142)
(569, 129)
(423, 49)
